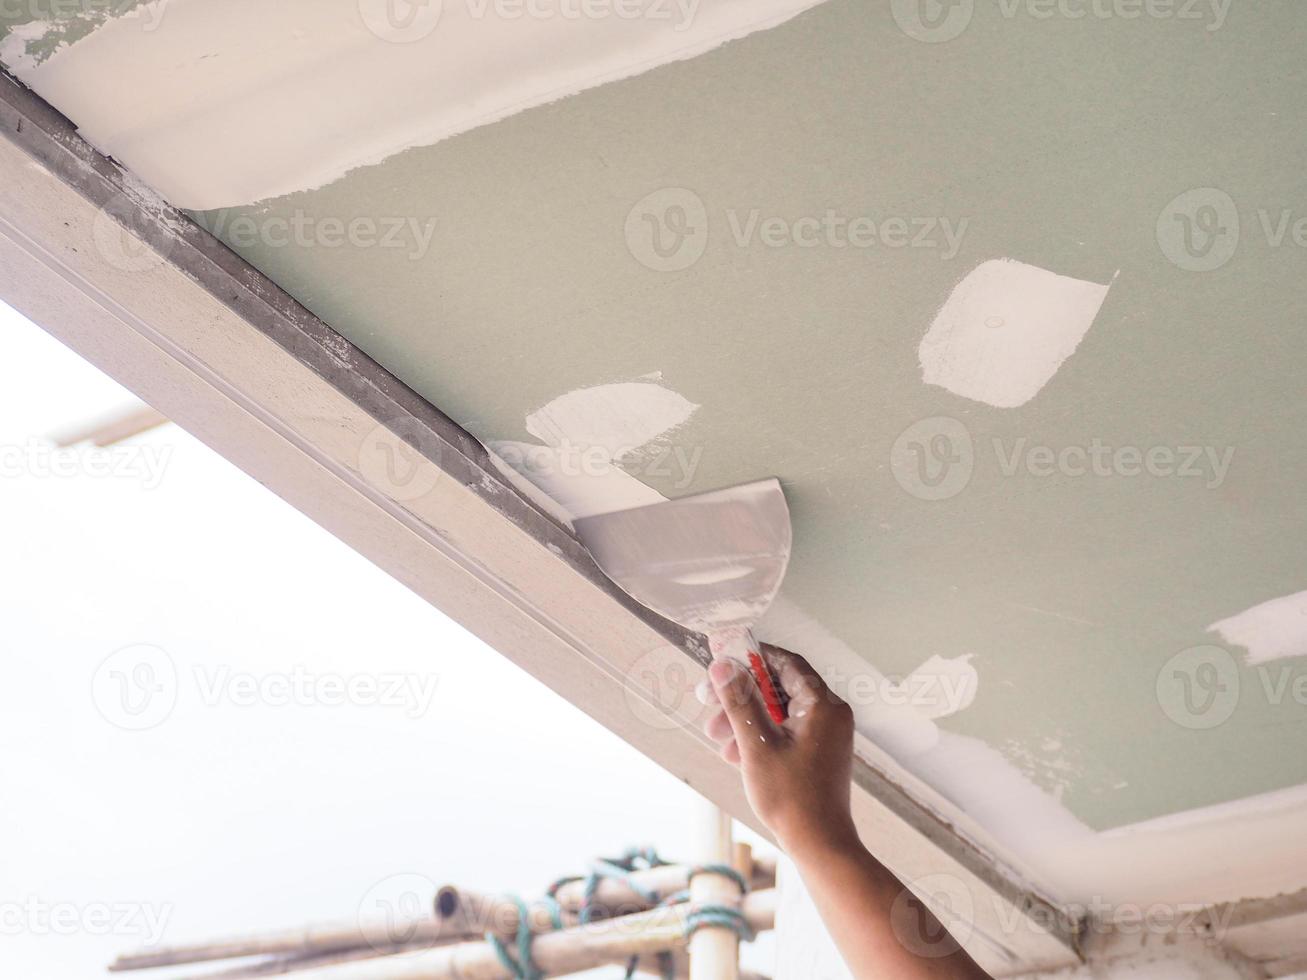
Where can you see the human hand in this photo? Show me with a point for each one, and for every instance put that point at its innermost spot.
(796, 774)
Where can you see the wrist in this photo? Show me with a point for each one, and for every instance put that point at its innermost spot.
(817, 839)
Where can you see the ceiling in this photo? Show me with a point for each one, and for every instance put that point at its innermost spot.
(1064, 598)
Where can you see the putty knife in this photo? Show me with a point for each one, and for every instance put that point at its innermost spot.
(712, 562)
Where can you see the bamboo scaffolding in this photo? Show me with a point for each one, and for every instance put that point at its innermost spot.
(614, 940)
(282, 966)
(714, 950)
(666, 880)
(316, 939)
(459, 914)
(613, 897)
(122, 424)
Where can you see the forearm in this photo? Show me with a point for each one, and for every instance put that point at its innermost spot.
(880, 929)
(797, 776)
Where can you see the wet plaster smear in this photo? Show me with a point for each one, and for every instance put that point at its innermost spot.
(1010, 537)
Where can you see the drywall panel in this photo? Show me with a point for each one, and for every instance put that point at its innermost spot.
(132, 285)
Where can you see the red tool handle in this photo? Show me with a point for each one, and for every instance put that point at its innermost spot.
(767, 684)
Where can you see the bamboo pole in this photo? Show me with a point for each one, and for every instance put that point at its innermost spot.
(281, 965)
(664, 881)
(322, 938)
(743, 860)
(498, 913)
(714, 950)
(107, 430)
(764, 865)
(643, 934)
(613, 897)
(456, 917)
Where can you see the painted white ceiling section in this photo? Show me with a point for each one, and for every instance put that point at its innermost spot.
(352, 101)
(298, 115)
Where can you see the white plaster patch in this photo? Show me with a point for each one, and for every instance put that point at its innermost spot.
(585, 432)
(942, 686)
(1272, 630)
(572, 486)
(14, 53)
(235, 102)
(1005, 330)
(618, 418)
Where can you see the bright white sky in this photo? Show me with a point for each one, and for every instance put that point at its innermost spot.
(228, 816)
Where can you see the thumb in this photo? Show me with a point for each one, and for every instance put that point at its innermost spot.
(742, 701)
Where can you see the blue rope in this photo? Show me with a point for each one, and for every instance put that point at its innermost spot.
(719, 917)
(522, 968)
(725, 870)
(618, 869)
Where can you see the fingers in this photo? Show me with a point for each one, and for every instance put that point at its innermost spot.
(718, 728)
(742, 702)
(803, 685)
(731, 752)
